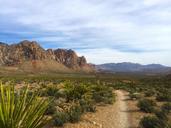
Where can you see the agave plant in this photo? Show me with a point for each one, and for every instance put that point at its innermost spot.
(20, 110)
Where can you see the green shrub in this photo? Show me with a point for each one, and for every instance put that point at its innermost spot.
(160, 120)
(51, 91)
(164, 96)
(149, 122)
(162, 116)
(75, 113)
(146, 105)
(60, 118)
(149, 93)
(51, 109)
(166, 107)
(103, 94)
(74, 92)
(154, 122)
(87, 105)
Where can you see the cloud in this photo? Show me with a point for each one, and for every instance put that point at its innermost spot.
(155, 2)
(124, 27)
(117, 56)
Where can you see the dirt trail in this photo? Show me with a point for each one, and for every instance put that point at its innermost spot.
(111, 116)
(121, 113)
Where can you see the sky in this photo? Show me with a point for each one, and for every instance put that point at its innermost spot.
(104, 31)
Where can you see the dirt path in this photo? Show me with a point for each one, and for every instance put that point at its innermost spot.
(111, 116)
(121, 113)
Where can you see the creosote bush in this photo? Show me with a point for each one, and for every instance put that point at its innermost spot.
(87, 103)
(155, 121)
(146, 105)
(149, 93)
(60, 118)
(51, 108)
(164, 95)
(166, 107)
(71, 114)
(149, 122)
(159, 120)
(75, 113)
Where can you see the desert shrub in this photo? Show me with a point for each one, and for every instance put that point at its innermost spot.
(60, 118)
(153, 122)
(74, 92)
(149, 122)
(149, 93)
(75, 113)
(51, 108)
(146, 105)
(162, 116)
(71, 112)
(87, 106)
(102, 94)
(166, 107)
(164, 96)
(87, 103)
(51, 91)
(159, 120)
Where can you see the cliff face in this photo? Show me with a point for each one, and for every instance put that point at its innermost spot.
(69, 58)
(16, 54)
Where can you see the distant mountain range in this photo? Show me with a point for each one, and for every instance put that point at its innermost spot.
(127, 67)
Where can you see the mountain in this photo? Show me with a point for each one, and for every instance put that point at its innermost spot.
(132, 67)
(29, 56)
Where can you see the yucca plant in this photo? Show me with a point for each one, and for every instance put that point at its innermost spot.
(20, 110)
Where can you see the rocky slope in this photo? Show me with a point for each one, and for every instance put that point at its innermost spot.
(29, 55)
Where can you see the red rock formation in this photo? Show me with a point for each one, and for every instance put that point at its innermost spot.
(16, 54)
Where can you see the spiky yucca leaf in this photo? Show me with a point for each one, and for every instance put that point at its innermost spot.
(19, 110)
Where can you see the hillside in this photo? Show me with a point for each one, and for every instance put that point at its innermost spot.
(127, 67)
(29, 56)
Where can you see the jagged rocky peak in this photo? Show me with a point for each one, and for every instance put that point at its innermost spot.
(30, 50)
(69, 58)
(33, 45)
(29, 43)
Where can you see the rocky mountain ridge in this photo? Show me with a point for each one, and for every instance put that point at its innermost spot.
(31, 51)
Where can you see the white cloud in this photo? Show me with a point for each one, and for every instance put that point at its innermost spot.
(155, 2)
(110, 55)
(120, 27)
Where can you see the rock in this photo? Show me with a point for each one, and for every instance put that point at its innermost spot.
(16, 54)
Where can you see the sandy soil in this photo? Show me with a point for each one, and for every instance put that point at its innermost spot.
(110, 116)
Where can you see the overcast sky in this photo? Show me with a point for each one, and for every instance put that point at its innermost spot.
(101, 30)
